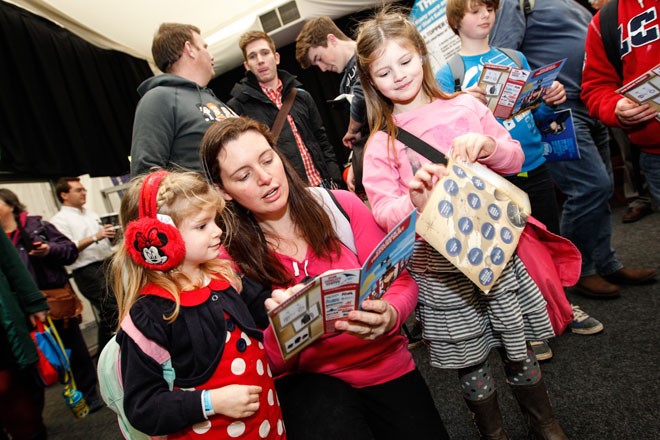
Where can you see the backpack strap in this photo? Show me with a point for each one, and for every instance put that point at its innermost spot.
(149, 347)
(609, 33)
(512, 54)
(420, 146)
(341, 222)
(457, 68)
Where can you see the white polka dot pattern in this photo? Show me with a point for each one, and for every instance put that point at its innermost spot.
(201, 427)
(264, 429)
(260, 368)
(280, 427)
(271, 398)
(238, 366)
(227, 338)
(236, 429)
(248, 341)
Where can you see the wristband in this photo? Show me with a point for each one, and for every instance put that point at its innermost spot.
(94, 239)
(206, 403)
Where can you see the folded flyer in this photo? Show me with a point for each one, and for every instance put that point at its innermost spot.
(329, 297)
(510, 90)
(645, 89)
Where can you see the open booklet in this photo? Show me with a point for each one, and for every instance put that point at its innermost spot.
(645, 89)
(558, 137)
(474, 218)
(510, 90)
(313, 311)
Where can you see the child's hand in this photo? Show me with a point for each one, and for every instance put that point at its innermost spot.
(376, 318)
(631, 113)
(422, 184)
(472, 146)
(236, 401)
(477, 92)
(280, 295)
(555, 94)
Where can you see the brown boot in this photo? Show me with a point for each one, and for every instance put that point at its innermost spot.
(487, 417)
(536, 407)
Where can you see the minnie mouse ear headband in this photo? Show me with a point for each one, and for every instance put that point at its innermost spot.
(152, 240)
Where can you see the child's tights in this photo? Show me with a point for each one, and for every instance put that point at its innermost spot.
(477, 380)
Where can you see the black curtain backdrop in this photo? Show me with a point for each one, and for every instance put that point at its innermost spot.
(66, 106)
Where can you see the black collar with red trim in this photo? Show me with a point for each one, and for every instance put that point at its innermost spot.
(189, 298)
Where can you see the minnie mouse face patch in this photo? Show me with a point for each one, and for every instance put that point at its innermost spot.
(151, 245)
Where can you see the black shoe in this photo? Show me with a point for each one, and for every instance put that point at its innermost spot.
(414, 335)
(95, 405)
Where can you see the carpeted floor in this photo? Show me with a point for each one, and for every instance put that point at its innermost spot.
(603, 387)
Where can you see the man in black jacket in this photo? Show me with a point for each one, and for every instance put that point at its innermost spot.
(260, 95)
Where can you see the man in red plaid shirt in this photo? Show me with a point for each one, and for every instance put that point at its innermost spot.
(260, 94)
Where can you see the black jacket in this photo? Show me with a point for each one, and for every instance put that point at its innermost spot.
(195, 340)
(248, 99)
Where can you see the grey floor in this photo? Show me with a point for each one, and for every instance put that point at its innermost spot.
(605, 386)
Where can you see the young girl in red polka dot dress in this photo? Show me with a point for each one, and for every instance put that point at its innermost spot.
(179, 294)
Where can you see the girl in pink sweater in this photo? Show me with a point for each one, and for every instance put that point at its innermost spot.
(460, 324)
(361, 382)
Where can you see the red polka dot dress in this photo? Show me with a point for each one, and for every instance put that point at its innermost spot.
(243, 362)
(214, 342)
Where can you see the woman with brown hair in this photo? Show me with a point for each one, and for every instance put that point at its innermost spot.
(360, 382)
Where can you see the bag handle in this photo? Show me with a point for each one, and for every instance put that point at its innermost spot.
(420, 146)
(276, 129)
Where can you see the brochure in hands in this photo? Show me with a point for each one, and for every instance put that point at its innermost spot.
(474, 218)
(329, 297)
(558, 137)
(645, 89)
(510, 90)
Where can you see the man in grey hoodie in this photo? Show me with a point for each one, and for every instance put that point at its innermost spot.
(176, 107)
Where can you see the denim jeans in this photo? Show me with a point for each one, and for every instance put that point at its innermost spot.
(586, 217)
(650, 165)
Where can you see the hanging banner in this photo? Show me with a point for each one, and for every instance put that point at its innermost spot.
(429, 16)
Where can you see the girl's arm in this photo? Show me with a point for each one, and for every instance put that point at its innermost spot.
(254, 294)
(388, 197)
(149, 404)
(507, 156)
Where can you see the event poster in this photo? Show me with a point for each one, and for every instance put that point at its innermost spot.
(430, 18)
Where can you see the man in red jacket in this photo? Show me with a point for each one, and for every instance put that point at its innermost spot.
(638, 24)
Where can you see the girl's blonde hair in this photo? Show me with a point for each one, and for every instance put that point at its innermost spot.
(180, 194)
(389, 23)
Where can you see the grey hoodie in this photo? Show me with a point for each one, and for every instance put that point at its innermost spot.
(170, 121)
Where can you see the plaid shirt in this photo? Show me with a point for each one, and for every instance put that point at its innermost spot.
(313, 175)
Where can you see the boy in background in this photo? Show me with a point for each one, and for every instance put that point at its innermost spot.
(322, 44)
